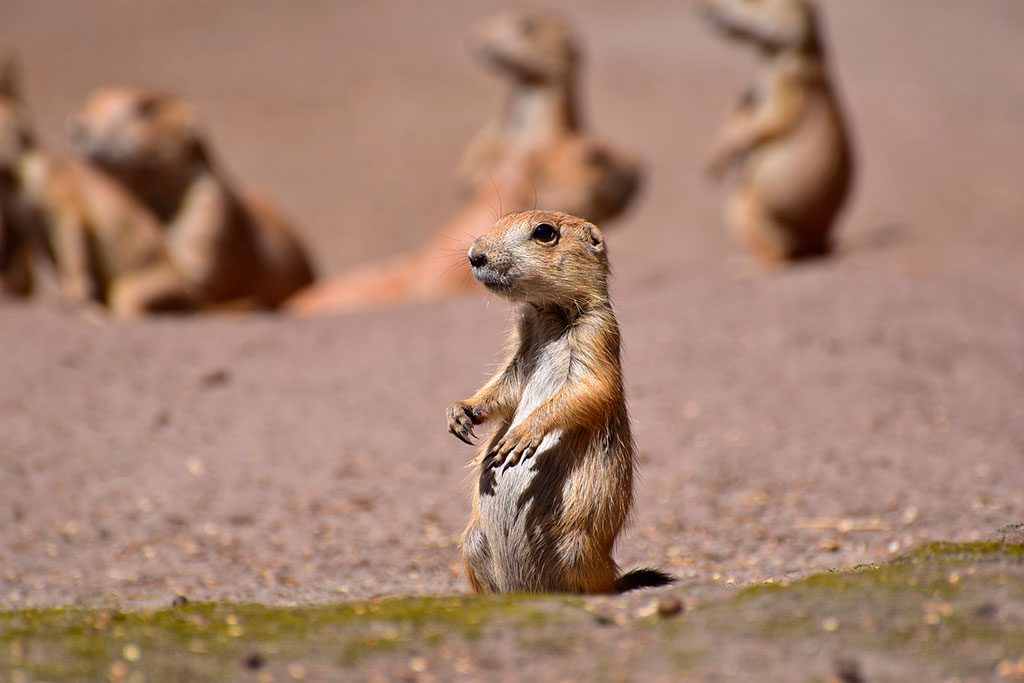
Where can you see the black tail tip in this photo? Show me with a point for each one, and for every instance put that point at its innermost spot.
(643, 578)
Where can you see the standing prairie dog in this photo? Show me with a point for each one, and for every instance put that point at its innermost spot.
(539, 55)
(555, 483)
(106, 248)
(535, 155)
(232, 248)
(787, 135)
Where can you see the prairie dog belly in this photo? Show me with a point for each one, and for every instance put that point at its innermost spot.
(518, 509)
(805, 174)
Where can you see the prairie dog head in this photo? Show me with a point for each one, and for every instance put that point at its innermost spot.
(543, 258)
(125, 130)
(772, 25)
(532, 46)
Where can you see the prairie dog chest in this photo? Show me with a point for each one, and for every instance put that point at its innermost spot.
(547, 366)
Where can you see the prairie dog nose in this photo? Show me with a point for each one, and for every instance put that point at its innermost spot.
(477, 258)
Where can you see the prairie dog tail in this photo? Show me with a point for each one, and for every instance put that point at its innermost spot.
(643, 578)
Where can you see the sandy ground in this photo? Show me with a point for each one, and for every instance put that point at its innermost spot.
(824, 416)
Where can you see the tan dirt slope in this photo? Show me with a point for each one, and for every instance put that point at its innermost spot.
(819, 417)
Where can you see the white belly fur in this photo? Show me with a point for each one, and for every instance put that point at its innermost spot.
(513, 534)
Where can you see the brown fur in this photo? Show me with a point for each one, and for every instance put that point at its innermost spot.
(787, 137)
(105, 247)
(10, 77)
(554, 484)
(16, 277)
(230, 247)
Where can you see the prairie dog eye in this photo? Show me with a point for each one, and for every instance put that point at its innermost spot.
(544, 232)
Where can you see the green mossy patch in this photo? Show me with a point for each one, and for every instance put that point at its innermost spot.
(944, 608)
(205, 640)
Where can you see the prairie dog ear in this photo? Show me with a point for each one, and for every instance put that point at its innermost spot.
(593, 238)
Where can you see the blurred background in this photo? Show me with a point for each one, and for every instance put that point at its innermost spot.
(776, 411)
(353, 116)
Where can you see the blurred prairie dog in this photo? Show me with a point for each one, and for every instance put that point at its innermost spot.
(106, 248)
(10, 76)
(16, 277)
(534, 155)
(787, 136)
(232, 248)
(538, 54)
(432, 271)
(555, 483)
(16, 271)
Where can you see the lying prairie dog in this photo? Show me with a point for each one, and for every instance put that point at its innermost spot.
(432, 271)
(106, 248)
(787, 138)
(229, 246)
(554, 483)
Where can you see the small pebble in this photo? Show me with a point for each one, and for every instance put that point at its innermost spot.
(215, 378)
(669, 605)
(195, 467)
(987, 611)
(254, 661)
(831, 545)
(848, 670)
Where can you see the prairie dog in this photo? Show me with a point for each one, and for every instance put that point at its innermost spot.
(787, 137)
(534, 155)
(232, 248)
(554, 484)
(435, 270)
(539, 55)
(16, 275)
(106, 248)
